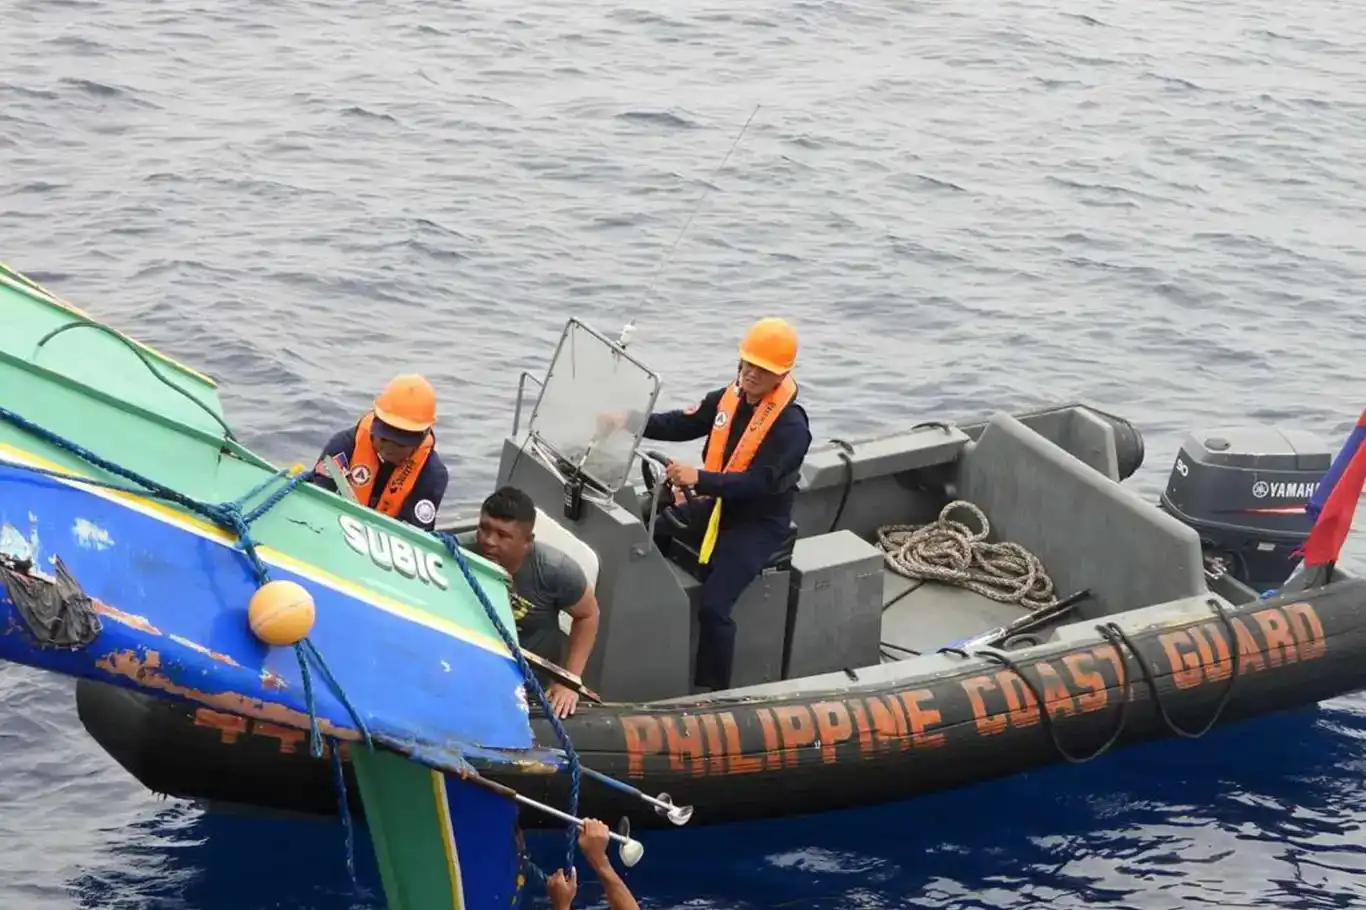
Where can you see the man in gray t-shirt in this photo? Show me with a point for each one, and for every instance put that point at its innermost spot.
(544, 582)
(547, 582)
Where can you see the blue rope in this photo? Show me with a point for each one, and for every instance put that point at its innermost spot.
(88, 481)
(309, 649)
(206, 510)
(230, 516)
(344, 807)
(315, 736)
(261, 487)
(453, 547)
(528, 874)
(155, 491)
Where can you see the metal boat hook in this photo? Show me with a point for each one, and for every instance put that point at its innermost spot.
(663, 803)
(631, 849)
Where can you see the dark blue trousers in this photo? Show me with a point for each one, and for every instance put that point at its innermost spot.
(737, 559)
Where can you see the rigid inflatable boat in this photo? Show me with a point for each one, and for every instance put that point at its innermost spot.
(866, 670)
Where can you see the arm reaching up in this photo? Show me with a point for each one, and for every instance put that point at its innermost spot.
(593, 843)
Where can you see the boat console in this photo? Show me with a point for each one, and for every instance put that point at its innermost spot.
(818, 605)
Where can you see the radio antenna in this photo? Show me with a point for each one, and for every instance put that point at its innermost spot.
(629, 329)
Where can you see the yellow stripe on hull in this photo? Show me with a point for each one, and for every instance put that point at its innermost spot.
(199, 526)
(443, 811)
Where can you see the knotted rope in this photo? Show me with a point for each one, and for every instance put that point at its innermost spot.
(950, 552)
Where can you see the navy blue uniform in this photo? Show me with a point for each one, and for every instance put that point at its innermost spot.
(754, 520)
(427, 493)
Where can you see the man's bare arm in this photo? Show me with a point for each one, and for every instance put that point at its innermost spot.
(593, 843)
(583, 632)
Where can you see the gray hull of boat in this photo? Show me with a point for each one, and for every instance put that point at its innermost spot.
(1049, 481)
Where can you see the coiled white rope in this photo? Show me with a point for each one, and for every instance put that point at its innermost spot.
(952, 553)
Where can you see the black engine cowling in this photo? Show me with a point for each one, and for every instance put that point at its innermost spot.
(1244, 492)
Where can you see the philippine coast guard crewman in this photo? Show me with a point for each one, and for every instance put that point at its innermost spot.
(748, 478)
(390, 456)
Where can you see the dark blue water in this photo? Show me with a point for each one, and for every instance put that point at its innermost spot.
(1155, 206)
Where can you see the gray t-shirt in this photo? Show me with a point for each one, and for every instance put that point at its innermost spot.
(548, 581)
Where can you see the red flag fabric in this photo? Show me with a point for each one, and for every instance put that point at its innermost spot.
(1335, 521)
(1330, 480)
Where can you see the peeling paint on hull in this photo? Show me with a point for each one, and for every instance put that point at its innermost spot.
(150, 675)
(91, 536)
(181, 632)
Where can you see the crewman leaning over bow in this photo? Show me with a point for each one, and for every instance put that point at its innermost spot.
(748, 477)
(390, 456)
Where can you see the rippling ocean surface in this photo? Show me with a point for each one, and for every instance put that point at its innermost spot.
(1154, 206)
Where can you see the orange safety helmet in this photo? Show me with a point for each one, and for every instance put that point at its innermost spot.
(771, 344)
(408, 402)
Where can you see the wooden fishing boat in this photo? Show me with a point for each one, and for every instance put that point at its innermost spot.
(135, 534)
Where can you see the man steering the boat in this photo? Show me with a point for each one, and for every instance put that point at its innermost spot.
(390, 456)
(545, 581)
(746, 486)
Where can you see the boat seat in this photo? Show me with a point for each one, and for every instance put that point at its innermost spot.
(759, 612)
(550, 531)
(685, 552)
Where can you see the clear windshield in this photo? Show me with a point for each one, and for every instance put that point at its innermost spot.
(591, 377)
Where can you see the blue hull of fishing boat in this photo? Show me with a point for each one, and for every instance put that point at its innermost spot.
(171, 598)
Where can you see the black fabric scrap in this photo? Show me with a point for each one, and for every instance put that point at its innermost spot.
(58, 613)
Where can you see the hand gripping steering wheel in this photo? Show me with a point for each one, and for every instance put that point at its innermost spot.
(651, 478)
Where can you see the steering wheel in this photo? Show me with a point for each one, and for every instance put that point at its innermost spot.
(651, 478)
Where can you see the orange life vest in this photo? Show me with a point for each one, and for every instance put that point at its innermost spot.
(364, 467)
(765, 415)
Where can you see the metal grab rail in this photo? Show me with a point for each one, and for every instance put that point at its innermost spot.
(521, 396)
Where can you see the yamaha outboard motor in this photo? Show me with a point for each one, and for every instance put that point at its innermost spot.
(1244, 491)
